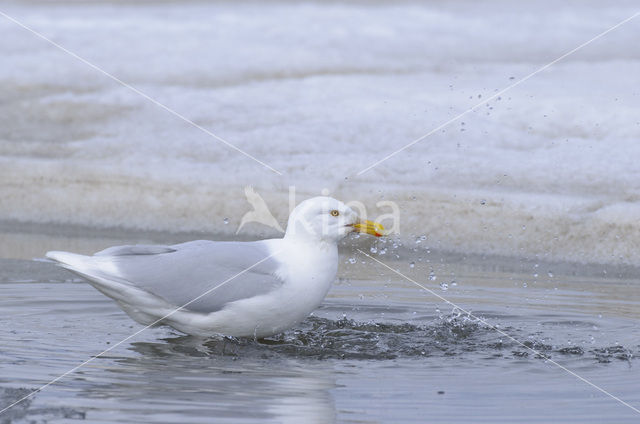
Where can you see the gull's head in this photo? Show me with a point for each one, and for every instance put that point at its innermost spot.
(327, 219)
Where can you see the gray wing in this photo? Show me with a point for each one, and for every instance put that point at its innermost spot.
(137, 249)
(182, 272)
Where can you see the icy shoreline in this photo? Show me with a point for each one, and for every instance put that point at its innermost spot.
(548, 170)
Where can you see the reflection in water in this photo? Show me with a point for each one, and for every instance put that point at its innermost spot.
(196, 379)
(291, 377)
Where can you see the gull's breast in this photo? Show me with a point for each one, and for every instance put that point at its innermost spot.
(307, 272)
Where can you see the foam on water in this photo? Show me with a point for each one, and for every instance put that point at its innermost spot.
(548, 169)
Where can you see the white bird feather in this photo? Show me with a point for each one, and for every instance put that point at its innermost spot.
(232, 288)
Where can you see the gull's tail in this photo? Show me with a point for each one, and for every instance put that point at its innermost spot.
(96, 270)
(89, 267)
(72, 261)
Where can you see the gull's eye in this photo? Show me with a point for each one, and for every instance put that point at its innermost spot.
(335, 213)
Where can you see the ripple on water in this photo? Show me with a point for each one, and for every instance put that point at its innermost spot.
(25, 412)
(321, 338)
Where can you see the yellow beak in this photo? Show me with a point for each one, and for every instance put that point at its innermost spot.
(370, 227)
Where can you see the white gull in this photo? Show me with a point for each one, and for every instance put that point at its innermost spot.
(242, 289)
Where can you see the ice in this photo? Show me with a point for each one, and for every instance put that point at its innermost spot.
(321, 92)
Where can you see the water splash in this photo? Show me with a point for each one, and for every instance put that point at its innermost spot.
(456, 334)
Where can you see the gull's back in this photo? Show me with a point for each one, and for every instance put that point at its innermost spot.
(180, 273)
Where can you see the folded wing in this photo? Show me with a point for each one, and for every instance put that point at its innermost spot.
(225, 271)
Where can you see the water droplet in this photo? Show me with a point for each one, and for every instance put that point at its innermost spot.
(524, 284)
(444, 286)
(412, 264)
(352, 260)
(225, 221)
(432, 276)
(373, 250)
(483, 202)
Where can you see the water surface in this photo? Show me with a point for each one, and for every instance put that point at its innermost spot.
(379, 349)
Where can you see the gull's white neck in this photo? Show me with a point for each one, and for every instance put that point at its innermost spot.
(299, 231)
(309, 241)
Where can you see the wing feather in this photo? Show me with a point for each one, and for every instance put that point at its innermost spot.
(182, 272)
(137, 249)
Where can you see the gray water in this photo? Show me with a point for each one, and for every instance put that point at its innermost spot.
(379, 349)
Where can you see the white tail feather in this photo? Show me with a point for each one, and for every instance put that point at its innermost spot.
(93, 269)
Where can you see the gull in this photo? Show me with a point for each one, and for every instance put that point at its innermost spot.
(227, 288)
